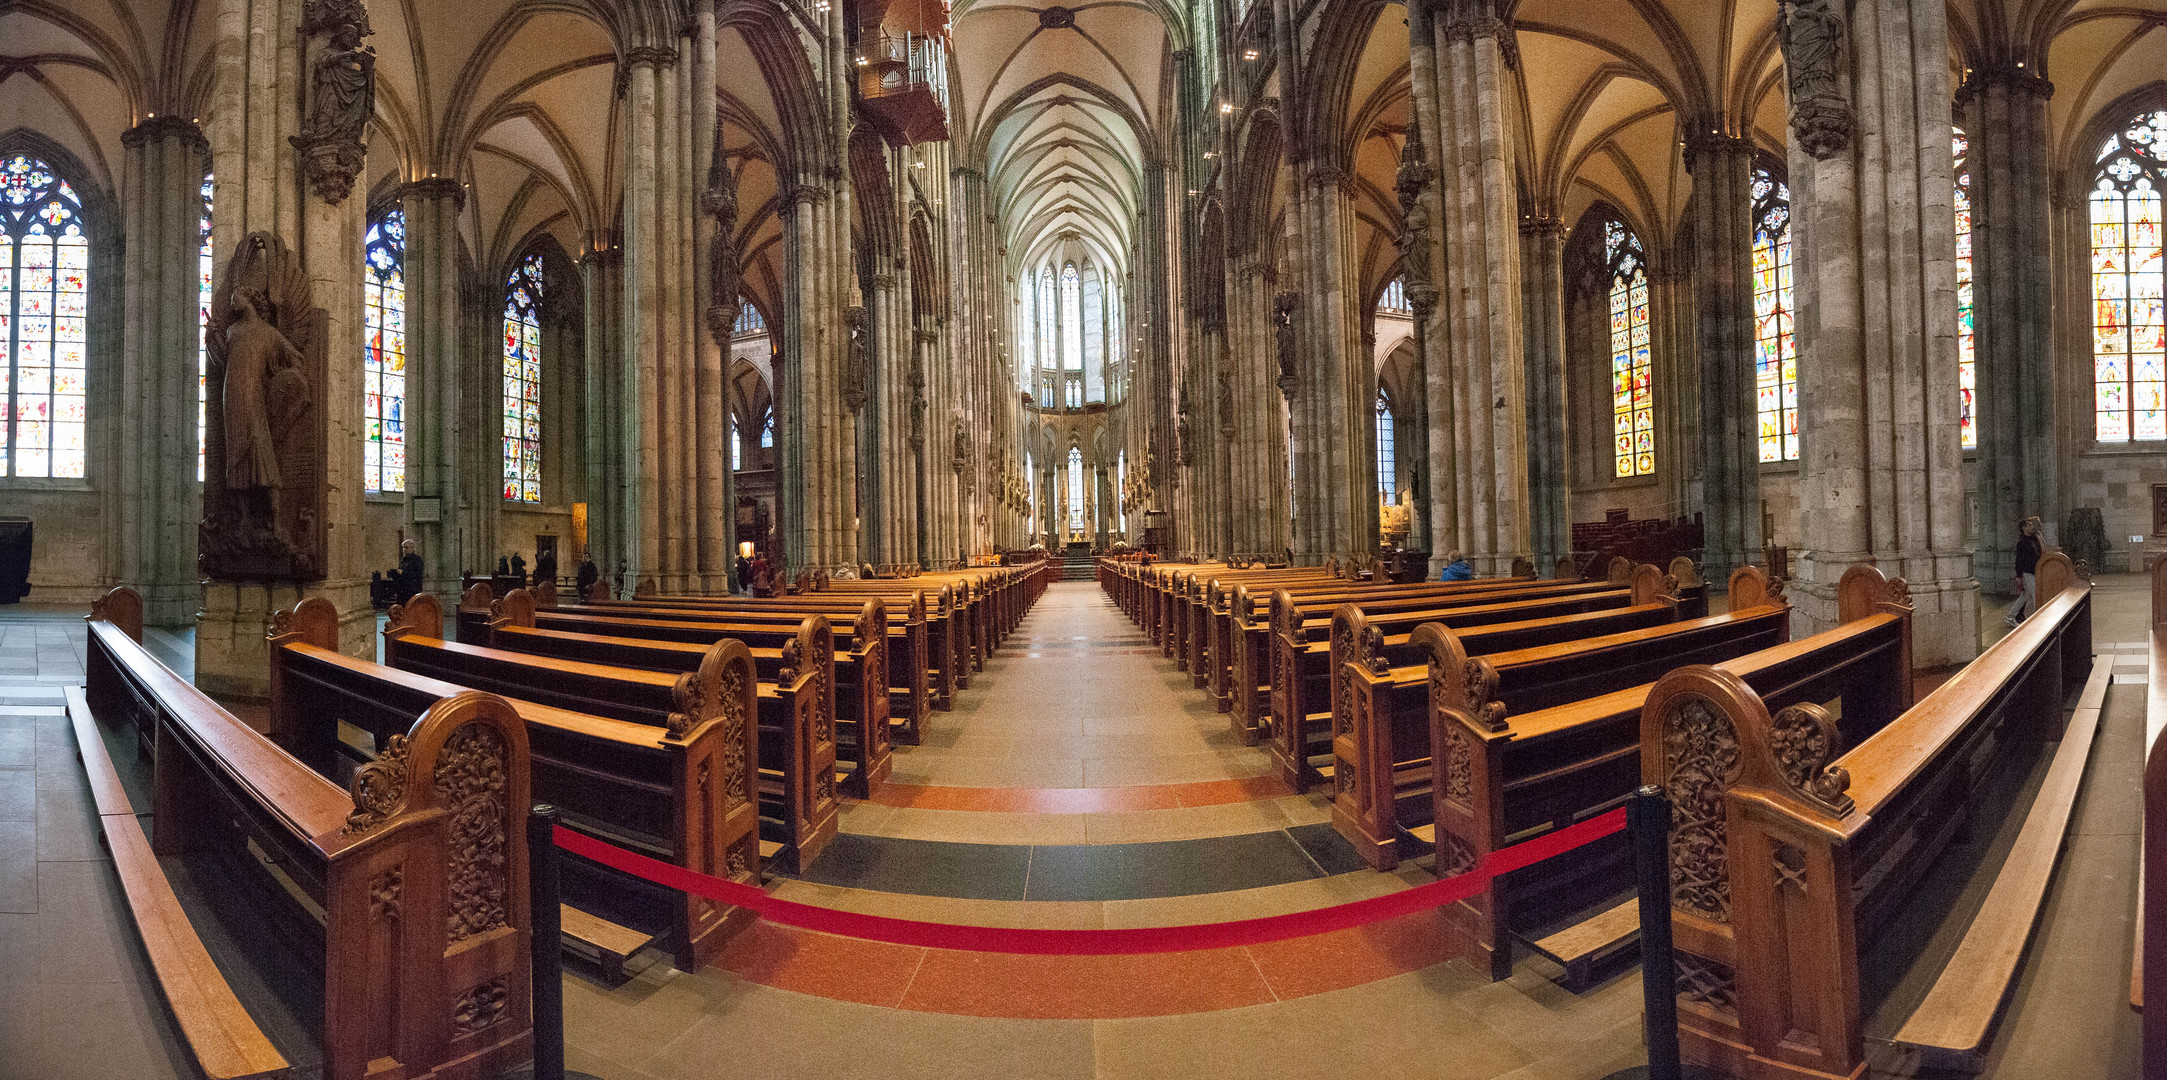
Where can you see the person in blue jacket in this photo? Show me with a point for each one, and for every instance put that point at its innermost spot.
(1456, 568)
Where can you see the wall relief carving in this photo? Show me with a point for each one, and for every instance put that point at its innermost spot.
(473, 785)
(264, 434)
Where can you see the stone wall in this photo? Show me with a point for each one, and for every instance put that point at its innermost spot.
(68, 549)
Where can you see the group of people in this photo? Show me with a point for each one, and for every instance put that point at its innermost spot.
(515, 565)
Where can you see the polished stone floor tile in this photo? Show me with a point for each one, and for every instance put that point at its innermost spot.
(1170, 868)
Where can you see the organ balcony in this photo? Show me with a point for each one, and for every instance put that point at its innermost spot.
(903, 86)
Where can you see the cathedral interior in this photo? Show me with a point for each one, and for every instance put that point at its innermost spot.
(1058, 325)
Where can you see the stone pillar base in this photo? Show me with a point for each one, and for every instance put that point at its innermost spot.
(232, 658)
(1944, 597)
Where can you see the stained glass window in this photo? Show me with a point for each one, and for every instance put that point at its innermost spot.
(748, 320)
(1094, 335)
(1966, 337)
(523, 383)
(1387, 456)
(2129, 328)
(1047, 358)
(1775, 361)
(203, 320)
(1632, 393)
(383, 323)
(1394, 299)
(1071, 319)
(737, 451)
(45, 305)
(1075, 491)
(767, 430)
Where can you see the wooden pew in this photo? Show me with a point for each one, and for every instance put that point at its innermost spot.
(1381, 688)
(407, 896)
(223, 1039)
(1498, 777)
(1796, 844)
(797, 746)
(685, 793)
(927, 661)
(2148, 977)
(627, 639)
(1298, 640)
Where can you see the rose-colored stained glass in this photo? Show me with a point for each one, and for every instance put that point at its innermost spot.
(44, 323)
(1966, 338)
(1632, 398)
(383, 354)
(2129, 302)
(1775, 367)
(523, 383)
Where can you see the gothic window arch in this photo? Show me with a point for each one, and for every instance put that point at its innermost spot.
(1387, 453)
(1967, 416)
(1632, 375)
(1075, 490)
(204, 270)
(1775, 362)
(1048, 359)
(383, 318)
(2129, 326)
(1094, 335)
(45, 299)
(523, 382)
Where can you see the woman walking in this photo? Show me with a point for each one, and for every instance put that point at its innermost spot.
(2027, 566)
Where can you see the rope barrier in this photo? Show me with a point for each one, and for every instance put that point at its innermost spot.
(1159, 939)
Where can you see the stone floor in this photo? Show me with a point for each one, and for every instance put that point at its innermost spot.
(1137, 764)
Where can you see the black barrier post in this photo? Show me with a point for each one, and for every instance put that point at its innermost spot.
(1647, 822)
(548, 942)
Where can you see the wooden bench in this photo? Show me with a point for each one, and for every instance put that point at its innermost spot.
(1380, 696)
(406, 897)
(224, 1040)
(1795, 845)
(927, 660)
(685, 793)
(1498, 777)
(1298, 643)
(860, 694)
(797, 748)
(2150, 969)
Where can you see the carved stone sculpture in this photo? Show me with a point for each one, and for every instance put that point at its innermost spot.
(962, 451)
(719, 201)
(1283, 308)
(854, 358)
(342, 98)
(264, 434)
(1814, 41)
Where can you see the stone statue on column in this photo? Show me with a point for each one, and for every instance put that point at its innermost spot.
(1814, 40)
(854, 353)
(263, 502)
(342, 98)
(719, 201)
(1284, 305)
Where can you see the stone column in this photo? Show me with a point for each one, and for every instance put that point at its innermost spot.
(259, 55)
(1721, 211)
(1549, 471)
(602, 271)
(2005, 114)
(1677, 378)
(714, 504)
(1473, 48)
(440, 421)
(159, 498)
(1875, 256)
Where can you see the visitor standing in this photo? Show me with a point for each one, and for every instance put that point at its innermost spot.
(2029, 549)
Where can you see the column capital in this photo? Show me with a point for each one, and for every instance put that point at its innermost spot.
(601, 257)
(157, 128)
(651, 55)
(435, 187)
(1709, 139)
(2013, 77)
(1539, 225)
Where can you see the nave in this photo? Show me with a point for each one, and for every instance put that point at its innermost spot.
(1051, 753)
